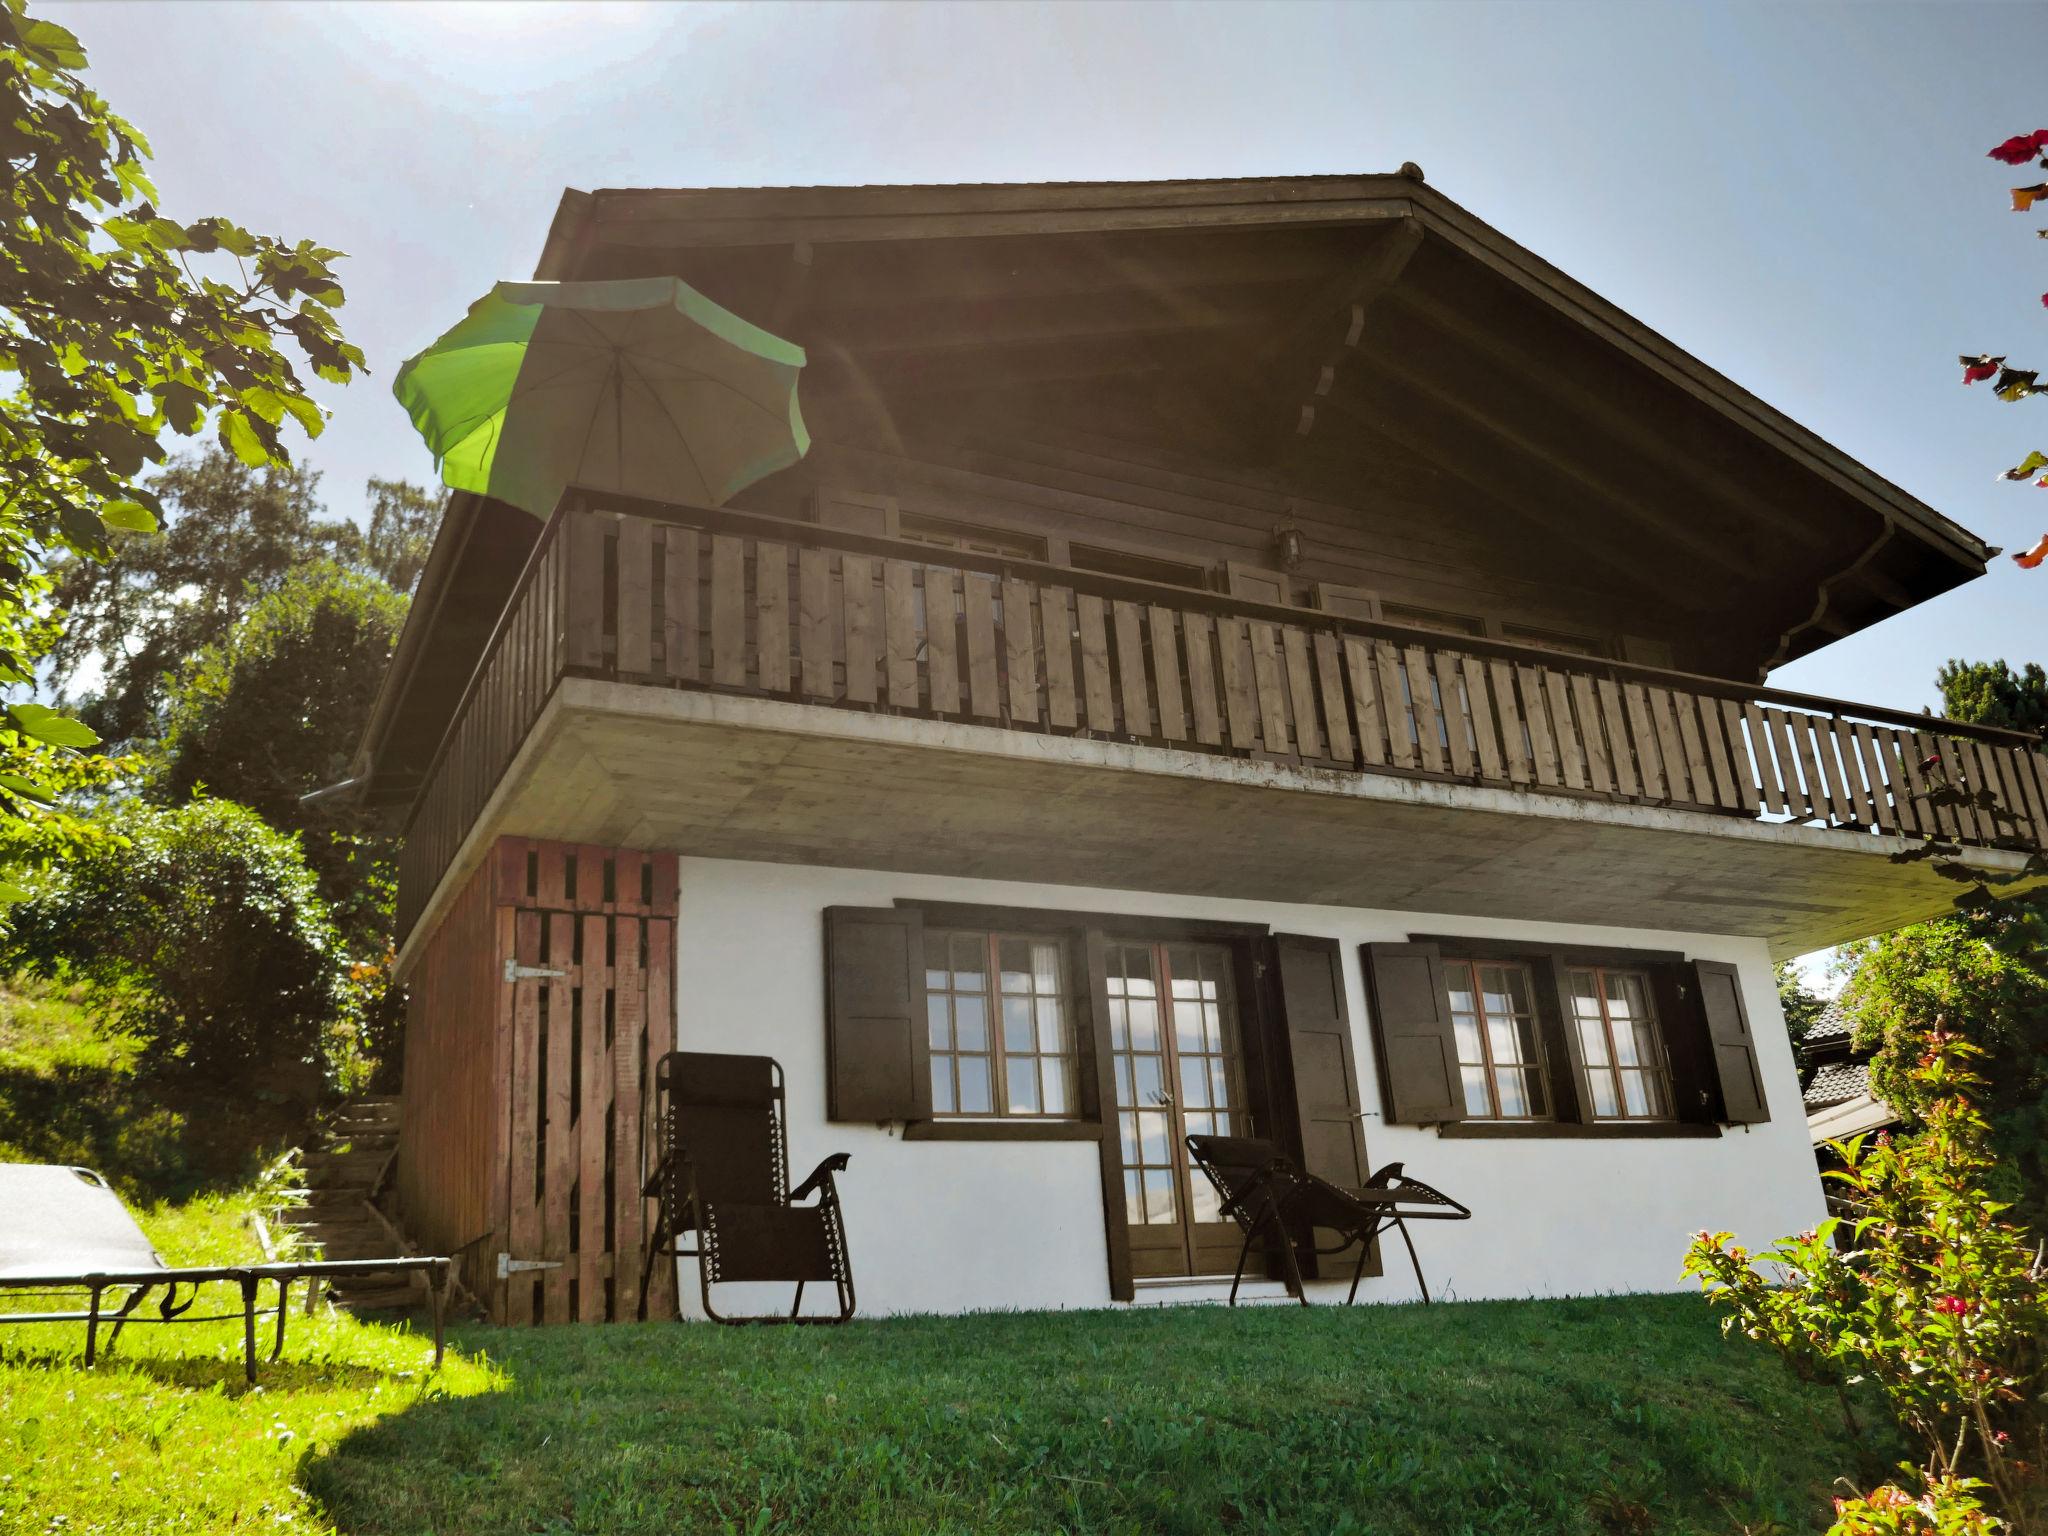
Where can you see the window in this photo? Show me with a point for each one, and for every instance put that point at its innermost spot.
(945, 533)
(1554, 640)
(1431, 618)
(1001, 1040)
(1627, 1077)
(1119, 562)
(1493, 1014)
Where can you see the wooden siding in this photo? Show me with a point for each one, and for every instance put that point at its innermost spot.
(544, 1001)
(734, 602)
(448, 1136)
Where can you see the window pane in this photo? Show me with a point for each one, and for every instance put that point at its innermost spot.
(1514, 1103)
(1125, 1093)
(942, 1085)
(935, 977)
(1584, 991)
(1635, 1093)
(1219, 1083)
(1518, 990)
(1152, 1132)
(1194, 1083)
(1127, 1126)
(1021, 1074)
(1017, 1029)
(1476, 1101)
(1052, 1030)
(1539, 1101)
(974, 1092)
(1593, 1041)
(936, 1015)
(1187, 1023)
(1604, 1102)
(1054, 1072)
(970, 962)
(1625, 1053)
(1016, 963)
(1045, 967)
(1459, 979)
(1204, 1204)
(1525, 1042)
(1144, 1022)
(1500, 1034)
(970, 1022)
(1151, 1083)
(1469, 1049)
(1119, 1024)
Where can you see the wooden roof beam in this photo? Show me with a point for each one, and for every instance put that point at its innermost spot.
(1331, 327)
(1495, 493)
(1493, 347)
(1504, 439)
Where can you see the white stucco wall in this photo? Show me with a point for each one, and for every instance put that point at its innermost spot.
(938, 1226)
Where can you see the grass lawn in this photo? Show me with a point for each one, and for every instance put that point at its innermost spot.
(1624, 1415)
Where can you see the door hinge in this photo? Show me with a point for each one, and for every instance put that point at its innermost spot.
(509, 1266)
(514, 971)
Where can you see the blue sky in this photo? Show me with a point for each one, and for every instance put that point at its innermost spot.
(1798, 194)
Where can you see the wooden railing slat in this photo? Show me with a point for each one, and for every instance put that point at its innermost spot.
(899, 633)
(1128, 628)
(1486, 739)
(1330, 682)
(1056, 609)
(728, 611)
(1450, 693)
(1571, 755)
(585, 637)
(1719, 761)
(1865, 809)
(1095, 663)
(1599, 760)
(1367, 700)
(1199, 630)
(1301, 692)
(814, 636)
(1395, 705)
(1166, 673)
(771, 615)
(1269, 688)
(942, 638)
(1514, 731)
(1536, 715)
(978, 594)
(636, 597)
(863, 608)
(1020, 650)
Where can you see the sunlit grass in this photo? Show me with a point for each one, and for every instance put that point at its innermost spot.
(1499, 1418)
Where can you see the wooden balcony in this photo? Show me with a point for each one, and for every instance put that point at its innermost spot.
(1107, 673)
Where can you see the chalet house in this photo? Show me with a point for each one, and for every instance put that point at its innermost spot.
(1271, 655)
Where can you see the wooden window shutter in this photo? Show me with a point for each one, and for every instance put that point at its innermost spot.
(1351, 602)
(1256, 584)
(877, 1049)
(1411, 1027)
(1311, 976)
(1718, 987)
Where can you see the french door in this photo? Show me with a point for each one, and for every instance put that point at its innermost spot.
(1177, 1061)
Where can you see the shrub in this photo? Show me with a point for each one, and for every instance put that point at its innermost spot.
(1937, 1303)
(203, 937)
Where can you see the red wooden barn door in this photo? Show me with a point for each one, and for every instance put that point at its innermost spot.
(587, 1008)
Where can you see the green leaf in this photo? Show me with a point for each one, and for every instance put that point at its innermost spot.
(46, 724)
(128, 517)
(238, 434)
(10, 892)
(28, 789)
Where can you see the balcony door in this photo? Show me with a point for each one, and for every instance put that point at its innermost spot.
(1176, 1057)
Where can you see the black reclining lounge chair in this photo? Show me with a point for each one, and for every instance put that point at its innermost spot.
(723, 1174)
(64, 1229)
(1275, 1203)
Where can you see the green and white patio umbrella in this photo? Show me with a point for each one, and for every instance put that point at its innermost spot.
(643, 387)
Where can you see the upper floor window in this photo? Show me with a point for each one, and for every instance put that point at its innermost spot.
(1493, 1014)
(1001, 1037)
(1122, 562)
(1627, 1074)
(970, 538)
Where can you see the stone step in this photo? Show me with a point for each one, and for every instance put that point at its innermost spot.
(322, 1196)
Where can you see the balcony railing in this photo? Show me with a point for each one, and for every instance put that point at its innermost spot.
(736, 603)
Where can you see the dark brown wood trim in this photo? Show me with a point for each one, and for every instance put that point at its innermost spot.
(1563, 1130)
(963, 914)
(1115, 1218)
(1017, 1128)
(1479, 947)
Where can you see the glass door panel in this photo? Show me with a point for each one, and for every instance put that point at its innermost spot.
(1174, 1050)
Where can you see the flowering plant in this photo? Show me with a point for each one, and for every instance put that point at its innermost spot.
(1933, 1300)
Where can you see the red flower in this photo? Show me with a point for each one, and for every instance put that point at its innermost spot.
(1954, 1306)
(2021, 148)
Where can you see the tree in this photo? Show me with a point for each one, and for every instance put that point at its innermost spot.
(1801, 1005)
(201, 932)
(1991, 693)
(274, 710)
(230, 535)
(117, 325)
